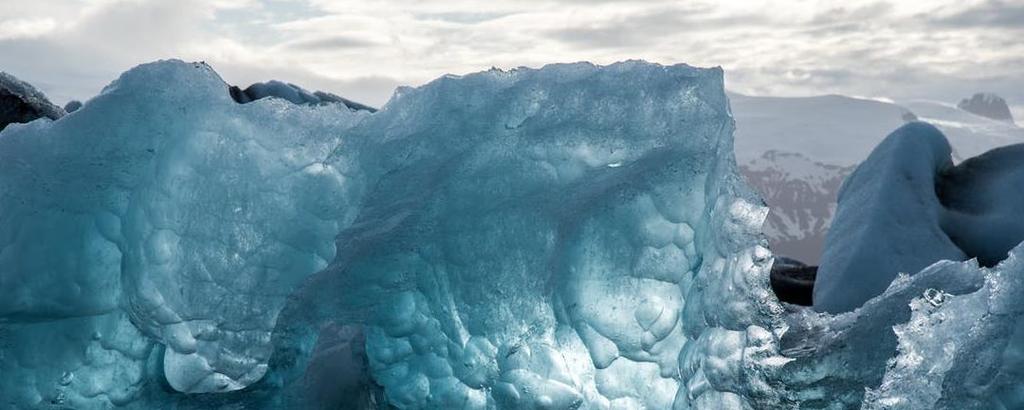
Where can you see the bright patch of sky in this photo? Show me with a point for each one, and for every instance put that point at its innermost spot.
(942, 50)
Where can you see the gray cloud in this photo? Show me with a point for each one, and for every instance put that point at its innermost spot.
(462, 17)
(332, 43)
(847, 13)
(649, 26)
(992, 13)
(941, 50)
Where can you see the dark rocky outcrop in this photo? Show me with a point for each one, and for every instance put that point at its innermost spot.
(20, 102)
(987, 105)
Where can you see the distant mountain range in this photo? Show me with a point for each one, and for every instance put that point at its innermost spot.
(796, 151)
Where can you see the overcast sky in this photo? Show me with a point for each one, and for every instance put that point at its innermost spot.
(942, 49)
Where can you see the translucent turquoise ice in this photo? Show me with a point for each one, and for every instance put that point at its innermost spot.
(570, 237)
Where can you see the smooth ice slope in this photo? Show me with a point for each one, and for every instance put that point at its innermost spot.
(887, 221)
(984, 203)
(908, 206)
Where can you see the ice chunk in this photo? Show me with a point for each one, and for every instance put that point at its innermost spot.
(907, 207)
(512, 265)
(887, 221)
(293, 93)
(165, 199)
(573, 236)
(961, 351)
(72, 106)
(984, 203)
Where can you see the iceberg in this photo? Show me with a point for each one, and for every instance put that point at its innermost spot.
(572, 236)
(888, 219)
(291, 92)
(145, 202)
(569, 237)
(907, 206)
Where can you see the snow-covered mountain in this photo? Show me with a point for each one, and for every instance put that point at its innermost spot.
(802, 195)
(987, 105)
(797, 151)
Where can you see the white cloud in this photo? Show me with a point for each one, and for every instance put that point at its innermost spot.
(935, 49)
(26, 28)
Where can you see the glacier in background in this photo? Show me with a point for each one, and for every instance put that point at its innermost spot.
(571, 237)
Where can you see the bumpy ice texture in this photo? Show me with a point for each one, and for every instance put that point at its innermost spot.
(574, 236)
(579, 240)
(161, 212)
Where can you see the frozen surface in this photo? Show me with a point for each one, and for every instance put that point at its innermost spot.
(571, 237)
(888, 220)
(191, 214)
(533, 238)
(908, 206)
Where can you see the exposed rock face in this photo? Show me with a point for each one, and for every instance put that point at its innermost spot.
(987, 105)
(21, 102)
(802, 196)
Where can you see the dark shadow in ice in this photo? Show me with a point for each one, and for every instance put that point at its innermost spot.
(793, 281)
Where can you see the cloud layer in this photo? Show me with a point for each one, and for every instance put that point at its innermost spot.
(941, 50)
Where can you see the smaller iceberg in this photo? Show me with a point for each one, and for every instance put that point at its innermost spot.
(292, 93)
(907, 206)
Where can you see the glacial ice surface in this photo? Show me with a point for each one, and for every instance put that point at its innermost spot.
(907, 206)
(571, 237)
(888, 219)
